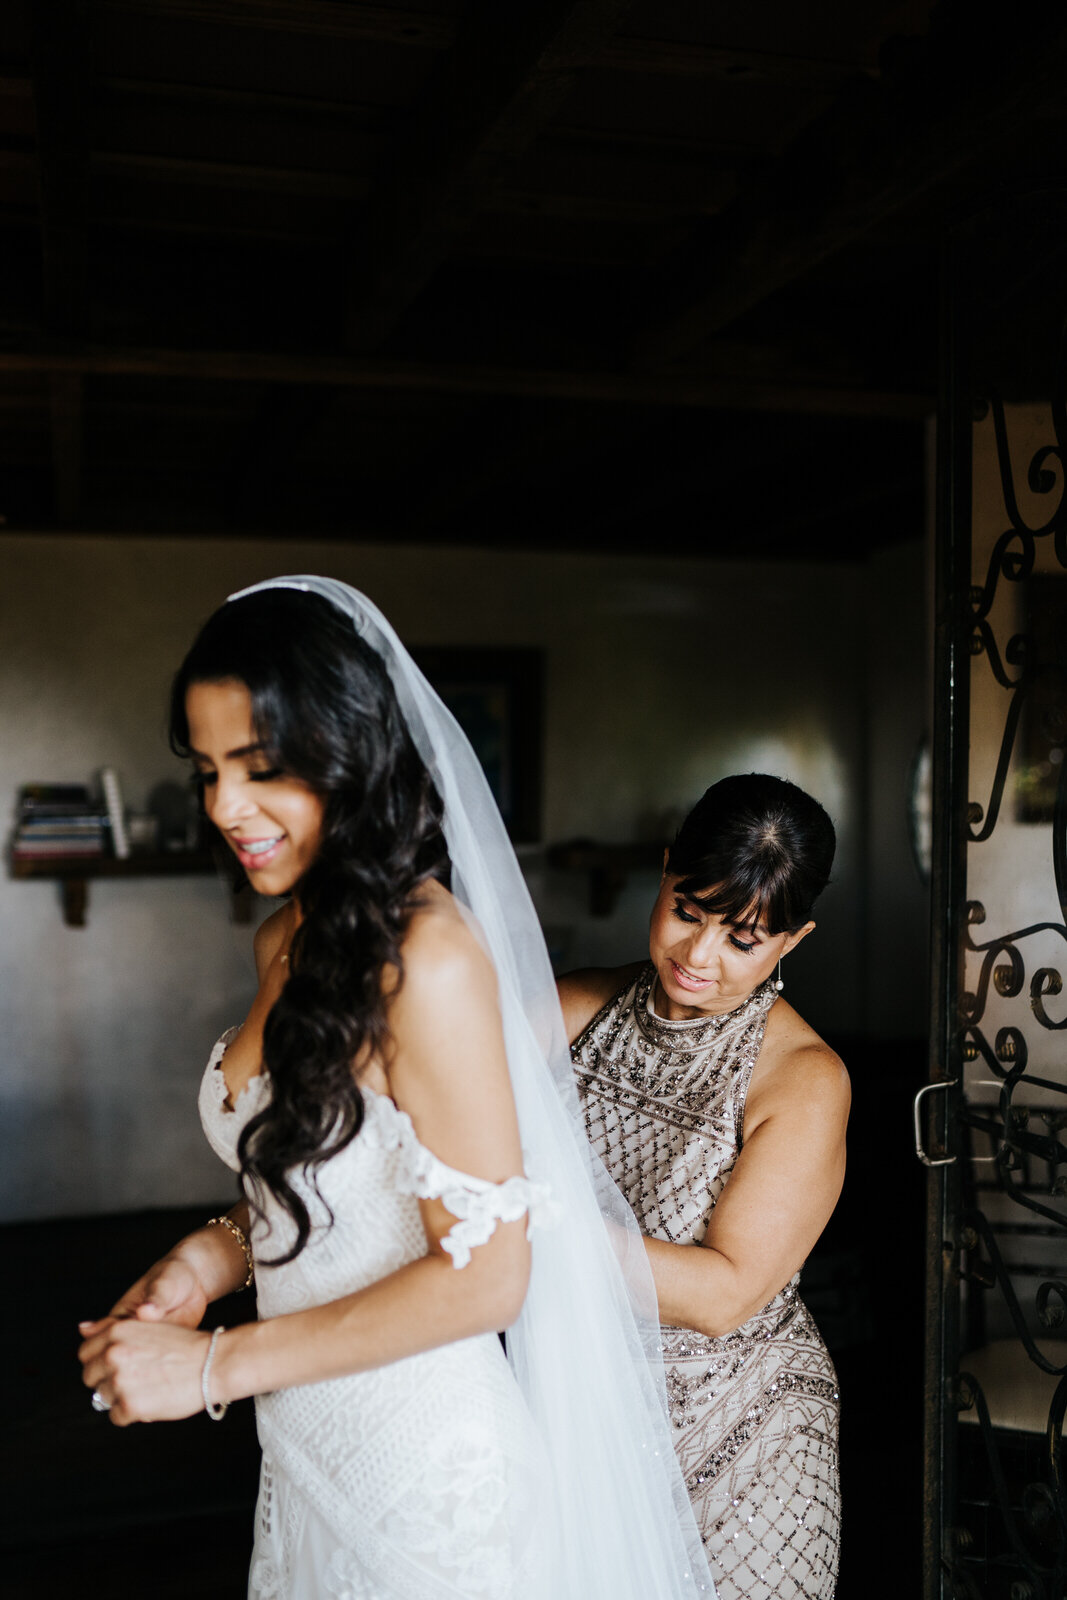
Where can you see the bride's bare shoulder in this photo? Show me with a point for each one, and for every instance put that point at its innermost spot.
(443, 1005)
(441, 949)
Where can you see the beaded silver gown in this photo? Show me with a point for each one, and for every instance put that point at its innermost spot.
(755, 1412)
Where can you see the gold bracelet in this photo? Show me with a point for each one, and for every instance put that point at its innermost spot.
(242, 1239)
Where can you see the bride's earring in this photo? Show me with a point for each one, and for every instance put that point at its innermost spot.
(778, 984)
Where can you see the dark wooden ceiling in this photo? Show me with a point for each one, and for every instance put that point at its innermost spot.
(604, 274)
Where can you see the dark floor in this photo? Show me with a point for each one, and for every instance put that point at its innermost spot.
(875, 1249)
(158, 1513)
(91, 1510)
(196, 1558)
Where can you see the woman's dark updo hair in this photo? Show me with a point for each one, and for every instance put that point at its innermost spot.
(326, 712)
(755, 849)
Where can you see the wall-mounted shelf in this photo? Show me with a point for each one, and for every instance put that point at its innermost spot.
(608, 866)
(75, 875)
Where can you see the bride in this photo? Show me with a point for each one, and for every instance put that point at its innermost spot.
(400, 1108)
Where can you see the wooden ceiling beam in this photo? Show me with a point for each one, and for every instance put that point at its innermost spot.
(258, 460)
(156, 169)
(800, 394)
(19, 163)
(337, 19)
(427, 30)
(60, 46)
(497, 455)
(610, 209)
(621, 144)
(67, 419)
(971, 88)
(511, 69)
(60, 76)
(135, 229)
(684, 58)
(248, 102)
(504, 201)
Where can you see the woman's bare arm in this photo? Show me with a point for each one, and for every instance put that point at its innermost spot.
(777, 1200)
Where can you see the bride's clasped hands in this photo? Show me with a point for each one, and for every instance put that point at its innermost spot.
(145, 1358)
(146, 1372)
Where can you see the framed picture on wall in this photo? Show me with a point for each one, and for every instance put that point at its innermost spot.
(497, 697)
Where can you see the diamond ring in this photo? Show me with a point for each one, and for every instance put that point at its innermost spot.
(99, 1403)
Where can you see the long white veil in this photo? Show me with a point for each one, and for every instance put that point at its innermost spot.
(585, 1349)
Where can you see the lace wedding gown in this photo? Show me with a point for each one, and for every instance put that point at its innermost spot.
(420, 1480)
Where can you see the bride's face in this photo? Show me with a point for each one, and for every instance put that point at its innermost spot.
(271, 821)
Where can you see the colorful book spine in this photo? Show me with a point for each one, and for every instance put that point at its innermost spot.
(57, 821)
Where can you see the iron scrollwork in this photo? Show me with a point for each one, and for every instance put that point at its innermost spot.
(1028, 1160)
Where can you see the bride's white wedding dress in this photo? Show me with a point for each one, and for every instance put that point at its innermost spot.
(551, 1476)
(420, 1480)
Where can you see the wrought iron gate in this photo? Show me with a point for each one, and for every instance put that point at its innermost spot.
(990, 1121)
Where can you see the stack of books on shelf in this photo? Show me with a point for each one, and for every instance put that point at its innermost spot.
(58, 821)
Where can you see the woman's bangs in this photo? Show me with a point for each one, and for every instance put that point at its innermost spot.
(740, 902)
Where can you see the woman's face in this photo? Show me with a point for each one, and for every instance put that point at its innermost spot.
(272, 822)
(706, 966)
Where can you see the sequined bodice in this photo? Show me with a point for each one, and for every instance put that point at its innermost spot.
(665, 1101)
(754, 1410)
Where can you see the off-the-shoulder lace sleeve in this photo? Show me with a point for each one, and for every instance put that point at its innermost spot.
(479, 1204)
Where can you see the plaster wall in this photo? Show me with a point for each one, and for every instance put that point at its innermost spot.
(662, 675)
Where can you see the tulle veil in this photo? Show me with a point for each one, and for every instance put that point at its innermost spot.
(585, 1350)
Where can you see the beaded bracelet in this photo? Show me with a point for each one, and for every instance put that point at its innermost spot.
(242, 1239)
(215, 1410)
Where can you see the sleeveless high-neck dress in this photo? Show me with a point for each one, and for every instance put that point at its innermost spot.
(755, 1412)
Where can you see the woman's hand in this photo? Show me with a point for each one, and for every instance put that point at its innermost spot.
(170, 1291)
(146, 1373)
(202, 1267)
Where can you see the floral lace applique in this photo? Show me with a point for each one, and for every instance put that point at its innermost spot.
(219, 1089)
(264, 1582)
(476, 1202)
(459, 1520)
(480, 1205)
(214, 1081)
(221, 1122)
(348, 1579)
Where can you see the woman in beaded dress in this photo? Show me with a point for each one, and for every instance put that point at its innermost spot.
(721, 1116)
(400, 1107)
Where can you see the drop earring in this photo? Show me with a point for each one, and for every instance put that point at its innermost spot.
(778, 984)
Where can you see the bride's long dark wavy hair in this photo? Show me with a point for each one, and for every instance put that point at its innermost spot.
(326, 712)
